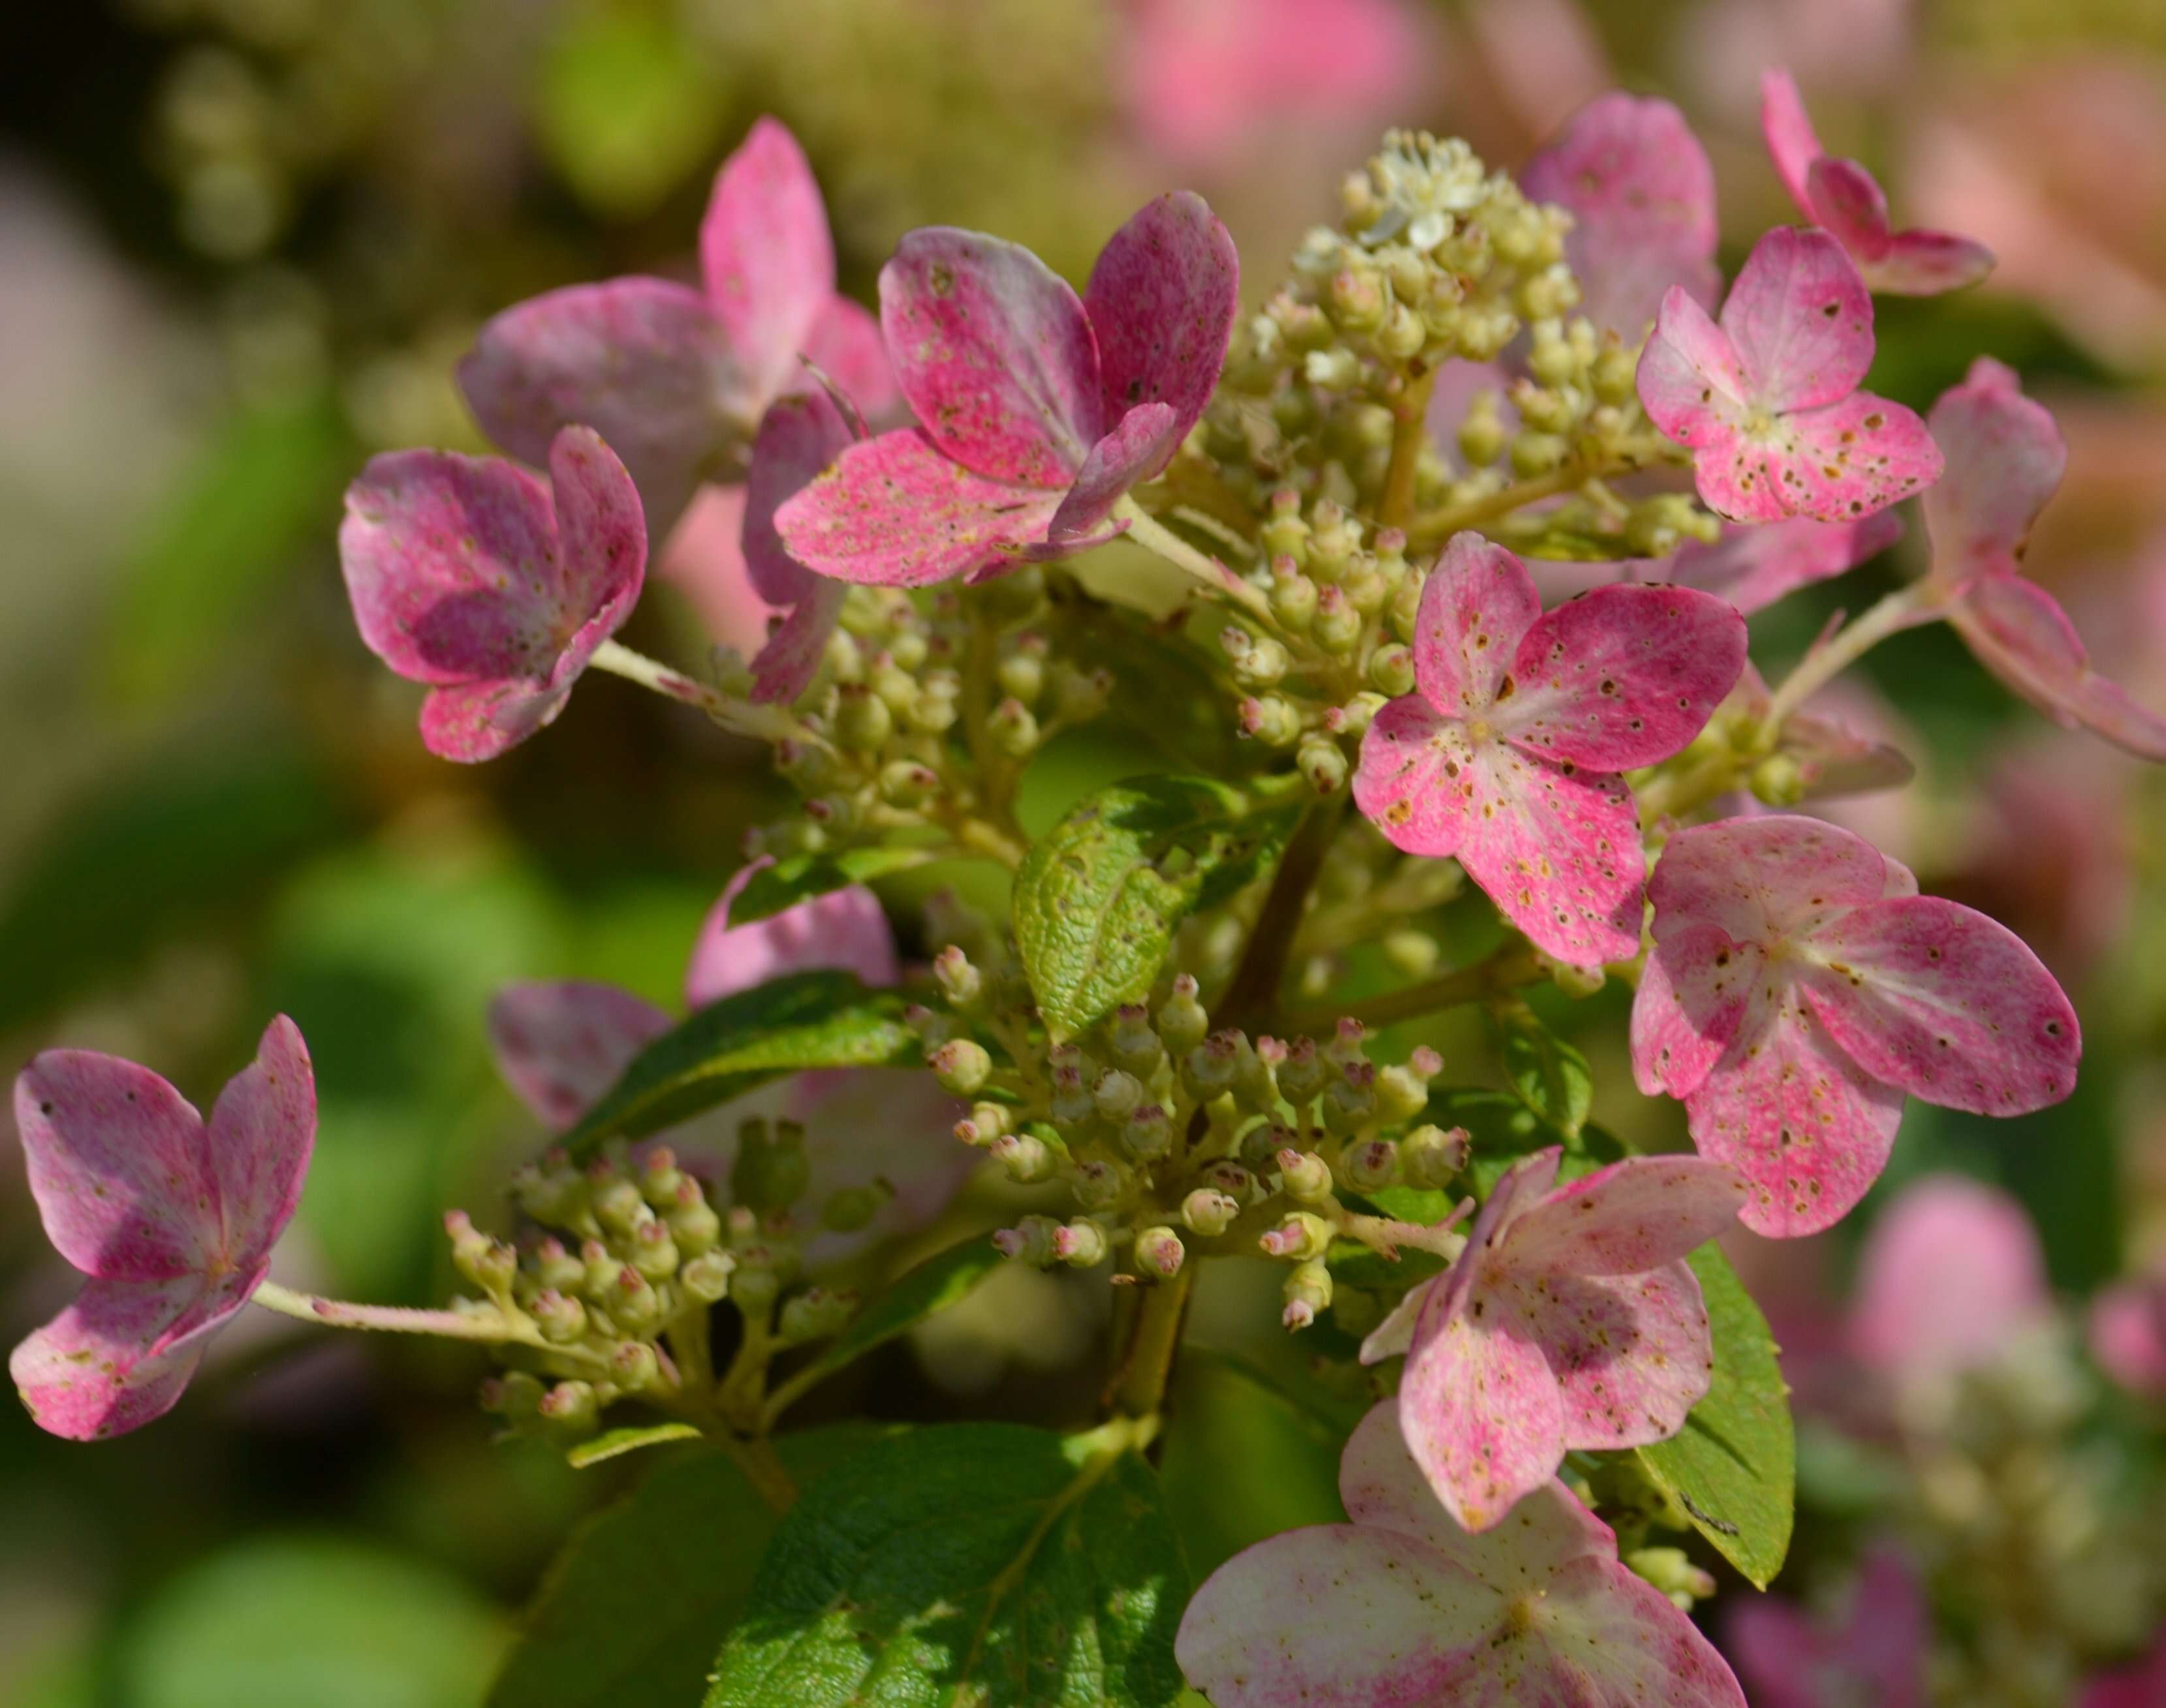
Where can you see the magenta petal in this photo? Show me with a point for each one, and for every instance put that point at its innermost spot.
(2020, 632)
(1754, 566)
(561, 1046)
(2127, 1334)
(262, 1133)
(641, 362)
(1641, 194)
(783, 668)
(2005, 458)
(1476, 605)
(767, 257)
(1952, 1271)
(1638, 1214)
(845, 345)
(799, 438)
(1800, 320)
(1790, 138)
(120, 1355)
(895, 512)
(601, 542)
(844, 929)
(1850, 204)
(994, 355)
(476, 721)
(1134, 451)
(1161, 302)
(1690, 381)
(1693, 997)
(1622, 676)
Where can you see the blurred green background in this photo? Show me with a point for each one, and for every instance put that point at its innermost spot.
(241, 244)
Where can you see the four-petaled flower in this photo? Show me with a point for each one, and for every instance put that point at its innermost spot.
(2005, 459)
(1799, 985)
(1571, 1320)
(492, 586)
(1038, 409)
(1767, 399)
(172, 1218)
(1876, 1655)
(1507, 753)
(1754, 564)
(1846, 201)
(1403, 1606)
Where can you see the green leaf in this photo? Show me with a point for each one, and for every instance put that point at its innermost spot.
(1551, 1077)
(946, 1278)
(804, 1020)
(634, 1606)
(800, 877)
(1733, 1467)
(1097, 899)
(613, 1444)
(980, 1564)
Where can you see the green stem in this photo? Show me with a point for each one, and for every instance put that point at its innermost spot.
(762, 1467)
(496, 1329)
(1145, 529)
(1254, 989)
(768, 723)
(1898, 612)
(1438, 525)
(1511, 966)
(1147, 1367)
(1409, 433)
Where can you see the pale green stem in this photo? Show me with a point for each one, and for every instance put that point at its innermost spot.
(1898, 612)
(1436, 526)
(1146, 532)
(767, 723)
(493, 1327)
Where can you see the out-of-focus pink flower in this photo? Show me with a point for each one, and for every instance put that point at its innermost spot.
(1847, 200)
(172, 1218)
(1876, 1655)
(1855, 47)
(1800, 986)
(844, 929)
(1404, 1606)
(1767, 399)
(704, 561)
(1038, 409)
(493, 587)
(1950, 1271)
(2142, 1685)
(1541, 61)
(1506, 755)
(1755, 564)
(2127, 1336)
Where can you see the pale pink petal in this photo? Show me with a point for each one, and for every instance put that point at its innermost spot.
(704, 559)
(1631, 1353)
(895, 512)
(475, 721)
(1921, 263)
(1950, 1271)
(1135, 450)
(1641, 194)
(1800, 321)
(994, 354)
(1760, 878)
(1849, 203)
(1622, 676)
(844, 929)
(120, 1355)
(1476, 605)
(1753, 567)
(845, 345)
(119, 1167)
(799, 438)
(2126, 1333)
(1788, 130)
(262, 1131)
(1638, 1214)
(784, 667)
(2005, 458)
(2020, 632)
(1877, 1657)
(891, 1125)
(1161, 301)
(1481, 1410)
(1693, 997)
(1614, 1641)
(641, 361)
(1689, 379)
(561, 1046)
(766, 257)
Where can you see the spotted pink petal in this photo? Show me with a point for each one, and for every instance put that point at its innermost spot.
(1476, 605)
(1877, 1654)
(1753, 567)
(2142, 1685)
(262, 1133)
(2020, 632)
(1694, 996)
(895, 512)
(120, 1355)
(1641, 194)
(994, 355)
(561, 1046)
(1951, 1269)
(845, 345)
(641, 361)
(799, 438)
(766, 255)
(844, 929)
(2005, 458)
(1161, 302)
(1792, 142)
(1133, 451)
(2126, 1332)
(1762, 878)
(1629, 1217)
(1801, 321)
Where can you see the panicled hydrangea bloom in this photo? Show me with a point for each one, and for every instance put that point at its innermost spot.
(1038, 409)
(172, 1218)
(1951, 1272)
(1571, 1320)
(1506, 754)
(1799, 985)
(1766, 398)
(1755, 564)
(1877, 1654)
(1404, 1606)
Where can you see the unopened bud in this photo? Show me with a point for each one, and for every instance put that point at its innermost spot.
(556, 1267)
(1118, 1094)
(1230, 1177)
(570, 1410)
(1323, 761)
(1391, 670)
(1670, 1570)
(633, 1366)
(905, 783)
(618, 1205)
(1027, 1158)
(654, 1251)
(1133, 1042)
(1210, 1069)
(600, 1270)
(1302, 1075)
(817, 1314)
(959, 981)
(1338, 626)
(1431, 1157)
(514, 1396)
(632, 1302)
(1182, 1021)
(1014, 729)
(1029, 1241)
(1271, 719)
(1304, 1175)
(706, 1277)
(1308, 1292)
(1021, 673)
(1207, 1213)
(1402, 1089)
(754, 1286)
(854, 1208)
(1258, 662)
(1080, 1244)
(864, 720)
(659, 1177)
(1348, 1043)
(1779, 780)
(1098, 1185)
(552, 1192)
(560, 1318)
(692, 1221)
(985, 1123)
(962, 1065)
(1349, 1101)
(1370, 1166)
(1293, 597)
(1160, 1252)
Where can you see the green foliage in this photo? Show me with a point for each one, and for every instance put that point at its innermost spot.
(804, 1020)
(626, 108)
(985, 1563)
(944, 1279)
(615, 1444)
(1550, 1077)
(633, 1608)
(800, 877)
(1097, 900)
(1733, 1467)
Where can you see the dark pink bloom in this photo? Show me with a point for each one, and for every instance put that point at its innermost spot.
(1767, 399)
(1038, 409)
(1403, 1606)
(801, 436)
(2005, 459)
(1641, 194)
(172, 1218)
(1507, 753)
(2142, 1685)
(1876, 1655)
(1798, 986)
(1950, 1273)
(1572, 1320)
(489, 584)
(1844, 199)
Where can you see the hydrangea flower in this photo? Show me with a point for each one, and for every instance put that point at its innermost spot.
(1571, 1320)
(2127, 1334)
(1766, 400)
(1507, 753)
(1755, 565)
(1950, 1273)
(493, 587)
(1799, 985)
(1403, 1606)
(2141, 1685)
(1039, 410)
(1641, 195)
(172, 1218)
(801, 436)
(2005, 459)
(1844, 199)
(1877, 1653)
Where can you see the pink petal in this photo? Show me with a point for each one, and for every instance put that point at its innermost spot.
(641, 362)
(119, 1167)
(2020, 632)
(1761, 878)
(783, 668)
(1752, 567)
(1921, 263)
(561, 1046)
(1134, 451)
(119, 1355)
(1161, 301)
(1622, 676)
(994, 354)
(1849, 203)
(1800, 321)
(1693, 997)
(844, 929)
(1878, 1655)
(1788, 130)
(1837, 464)
(1641, 194)
(704, 559)
(1950, 1271)
(895, 512)
(1630, 1354)
(1779, 1651)
(1482, 1411)
(1476, 606)
(799, 438)
(1616, 1641)
(601, 541)
(1635, 1215)
(263, 1132)
(845, 345)
(1690, 381)
(2127, 1334)
(475, 721)
(2142, 1685)
(766, 257)
(2005, 458)
(868, 1124)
